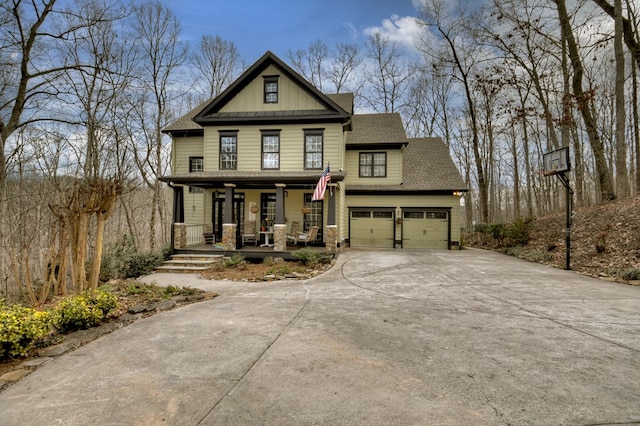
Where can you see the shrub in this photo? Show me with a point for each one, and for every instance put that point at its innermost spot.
(236, 262)
(20, 328)
(83, 311)
(308, 256)
(630, 274)
(123, 260)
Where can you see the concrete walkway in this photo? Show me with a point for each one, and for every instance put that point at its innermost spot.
(384, 338)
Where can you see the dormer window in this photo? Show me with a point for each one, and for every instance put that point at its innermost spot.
(271, 89)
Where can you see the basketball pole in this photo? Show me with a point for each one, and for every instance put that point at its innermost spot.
(569, 201)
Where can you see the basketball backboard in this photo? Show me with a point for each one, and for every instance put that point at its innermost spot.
(556, 161)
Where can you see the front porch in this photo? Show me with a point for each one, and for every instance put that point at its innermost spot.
(250, 252)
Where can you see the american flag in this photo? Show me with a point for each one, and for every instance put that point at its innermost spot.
(318, 193)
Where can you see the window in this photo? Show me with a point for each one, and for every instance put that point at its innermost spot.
(314, 218)
(196, 164)
(313, 145)
(271, 90)
(271, 149)
(373, 164)
(228, 150)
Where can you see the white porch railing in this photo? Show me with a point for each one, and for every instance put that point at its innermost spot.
(195, 235)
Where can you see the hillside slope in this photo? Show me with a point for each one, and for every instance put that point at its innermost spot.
(605, 239)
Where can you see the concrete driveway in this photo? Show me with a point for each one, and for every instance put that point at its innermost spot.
(384, 338)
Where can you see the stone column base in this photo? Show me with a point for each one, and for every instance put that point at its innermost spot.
(229, 236)
(179, 235)
(331, 238)
(280, 237)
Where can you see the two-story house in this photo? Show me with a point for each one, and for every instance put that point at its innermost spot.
(252, 157)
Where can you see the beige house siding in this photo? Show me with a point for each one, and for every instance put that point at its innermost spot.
(394, 169)
(194, 208)
(183, 148)
(290, 96)
(402, 201)
(291, 146)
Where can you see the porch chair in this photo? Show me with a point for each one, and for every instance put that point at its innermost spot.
(292, 236)
(308, 237)
(249, 232)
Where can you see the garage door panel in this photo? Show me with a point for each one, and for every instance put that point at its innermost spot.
(425, 229)
(372, 228)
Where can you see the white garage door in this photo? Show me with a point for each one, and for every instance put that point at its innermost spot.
(371, 228)
(425, 229)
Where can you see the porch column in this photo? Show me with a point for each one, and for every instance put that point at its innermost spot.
(280, 227)
(179, 234)
(229, 228)
(178, 204)
(331, 233)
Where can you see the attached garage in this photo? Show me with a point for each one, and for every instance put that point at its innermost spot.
(426, 228)
(371, 228)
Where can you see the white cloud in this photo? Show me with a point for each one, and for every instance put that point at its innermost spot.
(404, 30)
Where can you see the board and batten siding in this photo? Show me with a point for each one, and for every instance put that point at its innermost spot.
(290, 96)
(194, 208)
(418, 201)
(291, 146)
(394, 169)
(183, 148)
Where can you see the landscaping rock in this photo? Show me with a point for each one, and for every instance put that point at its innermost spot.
(15, 375)
(165, 305)
(36, 362)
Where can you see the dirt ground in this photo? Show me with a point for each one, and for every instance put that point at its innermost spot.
(605, 239)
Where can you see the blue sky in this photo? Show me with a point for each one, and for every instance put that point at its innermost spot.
(280, 25)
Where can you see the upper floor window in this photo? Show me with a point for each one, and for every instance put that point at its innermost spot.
(313, 148)
(271, 149)
(373, 164)
(271, 90)
(228, 150)
(196, 164)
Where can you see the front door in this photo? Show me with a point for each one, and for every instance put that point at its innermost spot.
(218, 214)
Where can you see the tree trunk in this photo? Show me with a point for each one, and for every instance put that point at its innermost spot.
(603, 175)
(622, 183)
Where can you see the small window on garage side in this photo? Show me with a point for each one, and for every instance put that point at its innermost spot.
(413, 215)
(271, 89)
(360, 214)
(436, 215)
(382, 215)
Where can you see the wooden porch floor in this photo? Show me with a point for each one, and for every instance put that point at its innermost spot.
(250, 252)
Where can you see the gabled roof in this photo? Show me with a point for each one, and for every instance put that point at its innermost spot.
(186, 123)
(344, 100)
(376, 129)
(427, 166)
(211, 113)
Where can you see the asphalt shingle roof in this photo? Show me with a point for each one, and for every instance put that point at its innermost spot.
(427, 166)
(376, 128)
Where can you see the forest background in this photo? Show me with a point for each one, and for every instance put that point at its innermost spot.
(86, 88)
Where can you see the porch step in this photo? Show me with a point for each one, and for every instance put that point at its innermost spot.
(189, 263)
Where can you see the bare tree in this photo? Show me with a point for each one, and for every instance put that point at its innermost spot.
(459, 52)
(583, 99)
(388, 75)
(157, 30)
(29, 76)
(346, 60)
(217, 63)
(311, 63)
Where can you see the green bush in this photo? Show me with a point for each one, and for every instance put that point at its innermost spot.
(630, 274)
(122, 259)
(308, 256)
(20, 328)
(236, 262)
(83, 311)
